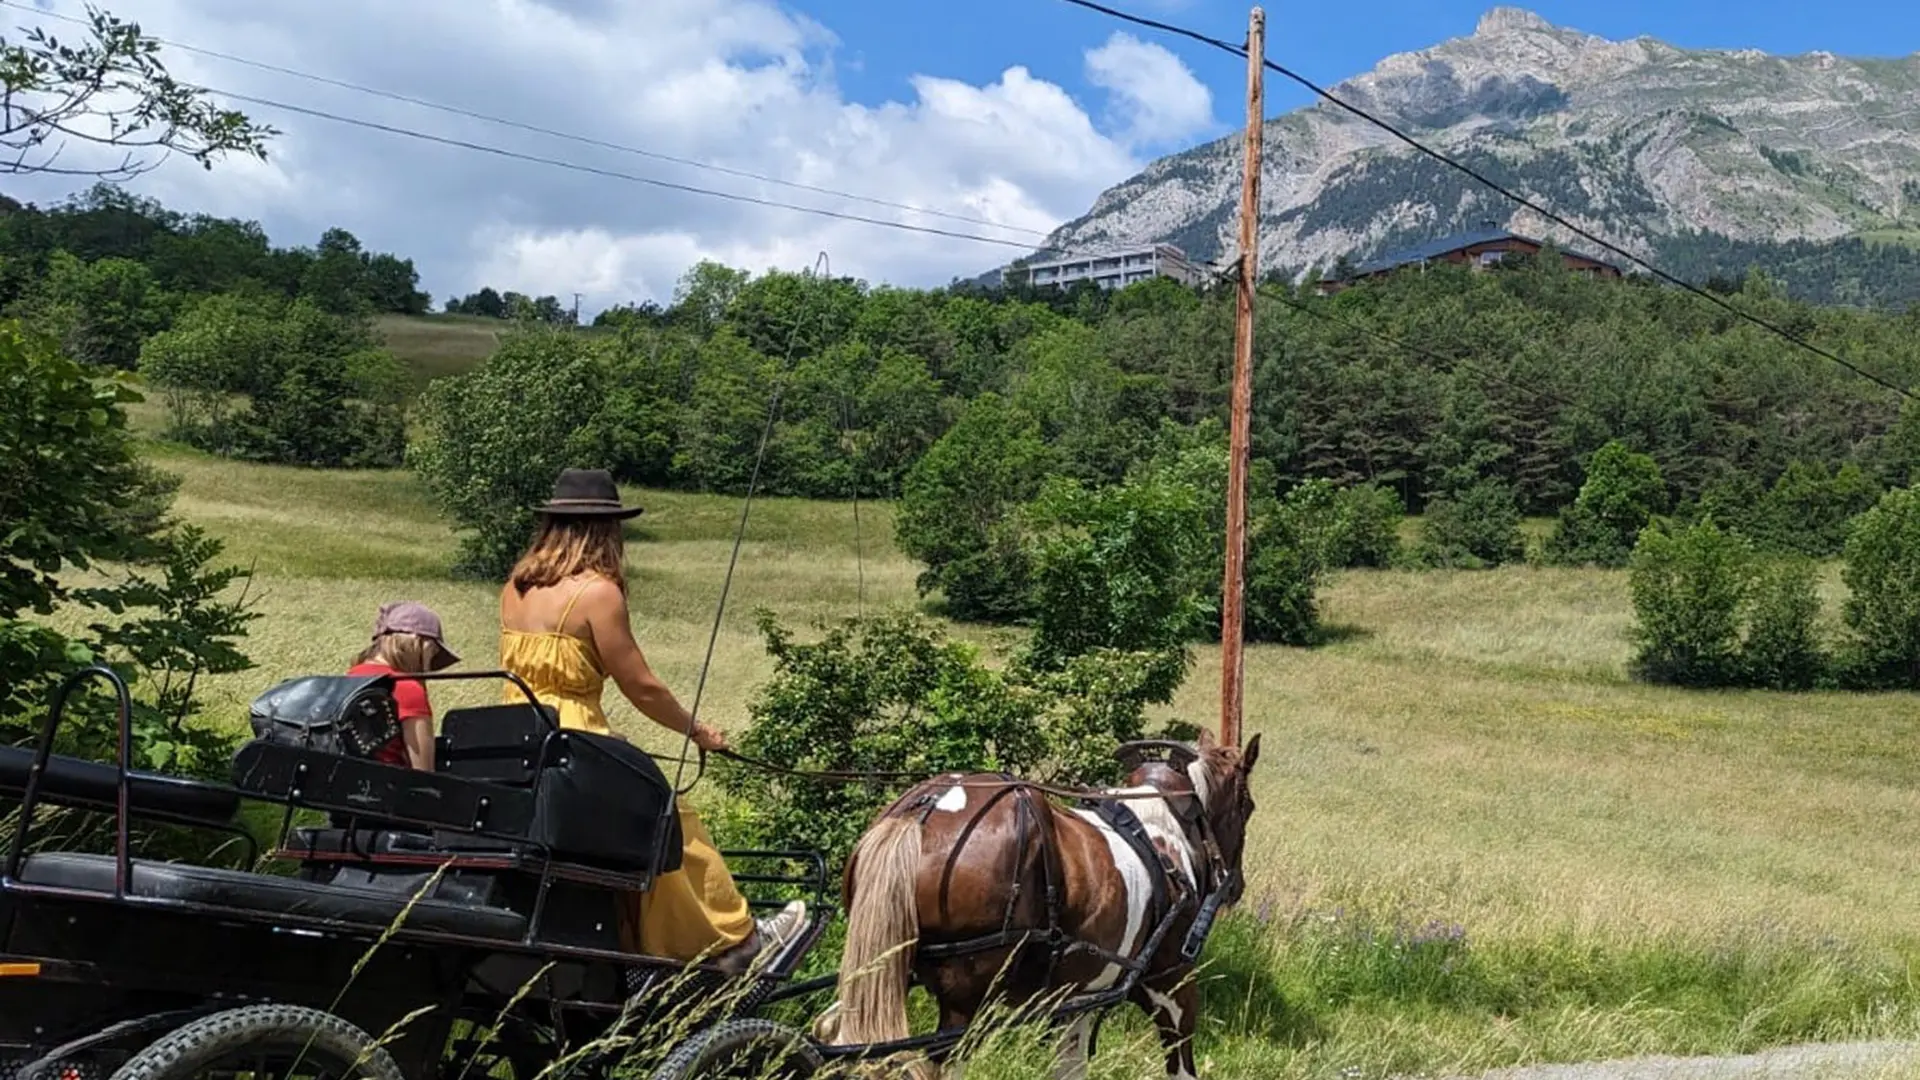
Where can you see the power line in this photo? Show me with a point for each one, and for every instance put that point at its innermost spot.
(615, 174)
(1506, 192)
(585, 140)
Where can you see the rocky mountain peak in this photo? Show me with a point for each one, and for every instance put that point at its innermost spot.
(1502, 20)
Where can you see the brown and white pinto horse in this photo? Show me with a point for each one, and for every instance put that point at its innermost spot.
(975, 884)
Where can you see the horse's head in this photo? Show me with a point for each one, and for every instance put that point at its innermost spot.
(1219, 778)
(1222, 775)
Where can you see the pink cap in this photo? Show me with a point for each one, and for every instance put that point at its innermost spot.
(408, 617)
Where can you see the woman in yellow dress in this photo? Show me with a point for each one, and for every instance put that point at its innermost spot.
(565, 629)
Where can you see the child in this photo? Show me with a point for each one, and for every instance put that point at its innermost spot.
(407, 639)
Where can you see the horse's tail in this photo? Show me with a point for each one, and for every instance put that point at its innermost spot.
(883, 922)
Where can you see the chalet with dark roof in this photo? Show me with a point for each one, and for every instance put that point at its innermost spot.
(1478, 250)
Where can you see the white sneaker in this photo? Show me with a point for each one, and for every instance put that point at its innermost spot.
(778, 931)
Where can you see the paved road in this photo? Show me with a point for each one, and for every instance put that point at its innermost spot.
(1824, 1061)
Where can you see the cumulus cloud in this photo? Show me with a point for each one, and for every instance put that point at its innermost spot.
(1155, 96)
(747, 84)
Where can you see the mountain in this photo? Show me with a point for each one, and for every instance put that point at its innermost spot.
(1705, 159)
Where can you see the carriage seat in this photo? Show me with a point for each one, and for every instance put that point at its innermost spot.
(347, 907)
(91, 785)
(598, 800)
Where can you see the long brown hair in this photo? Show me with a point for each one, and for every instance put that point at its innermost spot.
(568, 545)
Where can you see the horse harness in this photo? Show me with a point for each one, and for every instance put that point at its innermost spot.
(1171, 894)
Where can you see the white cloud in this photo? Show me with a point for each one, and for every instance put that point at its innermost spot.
(1154, 94)
(743, 83)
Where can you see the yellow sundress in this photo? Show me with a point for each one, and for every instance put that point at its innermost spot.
(693, 911)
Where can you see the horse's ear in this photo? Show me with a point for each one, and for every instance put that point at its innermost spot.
(1250, 755)
(1205, 741)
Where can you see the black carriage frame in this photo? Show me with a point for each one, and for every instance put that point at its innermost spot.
(295, 778)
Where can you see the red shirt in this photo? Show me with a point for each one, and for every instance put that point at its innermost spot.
(411, 697)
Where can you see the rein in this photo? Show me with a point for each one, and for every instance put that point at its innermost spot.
(840, 776)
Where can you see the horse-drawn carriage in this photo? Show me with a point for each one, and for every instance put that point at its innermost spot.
(442, 924)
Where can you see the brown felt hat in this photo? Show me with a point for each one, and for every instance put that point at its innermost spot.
(586, 493)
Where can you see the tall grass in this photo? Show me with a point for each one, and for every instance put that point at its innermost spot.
(1478, 843)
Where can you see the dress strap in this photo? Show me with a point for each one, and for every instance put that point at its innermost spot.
(561, 626)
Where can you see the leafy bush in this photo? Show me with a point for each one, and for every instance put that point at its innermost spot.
(1781, 649)
(1807, 510)
(1883, 578)
(492, 440)
(1810, 508)
(1476, 528)
(1346, 526)
(957, 507)
(892, 693)
(1114, 568)
(286, 383)
(1288, 543)
(1689, 585)
(76, 495)
(1622, 493)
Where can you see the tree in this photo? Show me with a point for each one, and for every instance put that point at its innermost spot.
(1622, 493)
(100, 311)
(957, 507)
(1690, 588)
(492, 440)
(1883, 581)
(110, 92)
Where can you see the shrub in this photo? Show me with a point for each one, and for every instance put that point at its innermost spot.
(1288, 543)
(1475, 528)
(286, 383)
(1689, 586)
(76, 495)
(1346, 527)
(957, 507)
(892, 693)
(1883, 578)
(1809, 509)
(1282, 578)
(1781, 649)
(1622, 493)
(492, 440)
(1114, 568)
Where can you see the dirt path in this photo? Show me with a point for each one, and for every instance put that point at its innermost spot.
(1824, 1061)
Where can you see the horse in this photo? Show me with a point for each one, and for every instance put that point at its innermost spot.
(982, 888)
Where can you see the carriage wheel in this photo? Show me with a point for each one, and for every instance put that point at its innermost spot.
(758, 1049)
(264, 1042)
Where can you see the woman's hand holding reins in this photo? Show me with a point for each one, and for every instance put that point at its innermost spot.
(709, 738)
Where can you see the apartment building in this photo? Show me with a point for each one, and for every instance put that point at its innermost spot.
(1117, 269)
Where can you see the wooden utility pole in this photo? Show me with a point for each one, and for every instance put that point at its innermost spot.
(1233, 588)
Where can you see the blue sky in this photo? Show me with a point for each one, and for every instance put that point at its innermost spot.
(882, 42)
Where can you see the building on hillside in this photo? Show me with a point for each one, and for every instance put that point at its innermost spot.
(1475, 249)
(1117, 269)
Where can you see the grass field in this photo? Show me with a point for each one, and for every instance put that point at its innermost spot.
(436, 345)
(1478, 843)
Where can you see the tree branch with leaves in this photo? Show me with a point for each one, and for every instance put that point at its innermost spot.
(109, 91)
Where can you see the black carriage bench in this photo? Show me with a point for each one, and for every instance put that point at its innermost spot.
(234, 890)
(92, 786)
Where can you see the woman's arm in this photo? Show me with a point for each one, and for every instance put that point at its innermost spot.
(606, 609)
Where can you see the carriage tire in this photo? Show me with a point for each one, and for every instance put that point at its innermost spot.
(742, 1048)
(318, 1038)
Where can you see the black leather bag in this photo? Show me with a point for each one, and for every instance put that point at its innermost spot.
(603, 801)
(353, 715)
